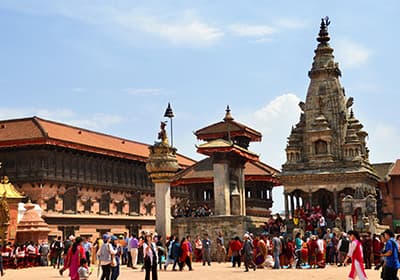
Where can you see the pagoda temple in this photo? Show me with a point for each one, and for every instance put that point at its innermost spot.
(327, 155)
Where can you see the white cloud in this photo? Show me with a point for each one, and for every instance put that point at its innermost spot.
(384, 143)
(188, 30)
(143, 91)
(182, 28)
(252, 30)
(351, 54)
(93, 122)
(274, 120)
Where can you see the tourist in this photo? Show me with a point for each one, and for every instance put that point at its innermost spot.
(176, 252)
(260, 253)
(87, 245)
(184, 257)
(235, 247)
(73, 259)
(198, 249)
(171, 255)
(298, 244)
(221, 251)
(57, 249)
(356, 255)
(377, 248)
(248, 253)
(391, 255)
(134, 247)
(83, 270)
(115, 257)
(343, 248)
(44, 251)
(333, 251)
(288, 252)
(160, 250)
(367, 250)
(206, 250)
(321, 249)
(276, 250)
(150, 258)
(104, 255)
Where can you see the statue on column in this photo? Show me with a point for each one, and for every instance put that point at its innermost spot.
(162, 135)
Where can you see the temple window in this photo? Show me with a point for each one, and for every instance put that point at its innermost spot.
(105, 203)
(87, 206)
(51, 204)
(134, 203)
(321, 147)
(69, 201)
(120, 207)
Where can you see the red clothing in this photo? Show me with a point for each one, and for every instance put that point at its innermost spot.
(185, 251)
(356, 255)
(236, 245)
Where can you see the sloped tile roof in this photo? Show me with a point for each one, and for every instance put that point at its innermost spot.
(396, 169)
(30, 131)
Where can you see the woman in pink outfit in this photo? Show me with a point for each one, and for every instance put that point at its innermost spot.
(356, 255)
(75, 254)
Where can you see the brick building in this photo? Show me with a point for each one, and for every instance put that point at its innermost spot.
(87, 182)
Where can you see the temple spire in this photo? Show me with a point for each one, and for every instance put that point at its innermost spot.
(323, 36)
(228, 116)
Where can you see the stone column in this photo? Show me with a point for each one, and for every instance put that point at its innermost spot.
(221, 189)
(335, 202)
(310, 199)
(162, 166)
(163, 208)
(286, 206)
(292, 204)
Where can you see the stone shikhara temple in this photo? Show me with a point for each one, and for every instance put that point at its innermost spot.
(327, 156)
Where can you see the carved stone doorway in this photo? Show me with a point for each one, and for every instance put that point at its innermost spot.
(323, 198)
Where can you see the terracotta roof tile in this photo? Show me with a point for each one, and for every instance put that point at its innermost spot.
(75, 137)
(396, 169)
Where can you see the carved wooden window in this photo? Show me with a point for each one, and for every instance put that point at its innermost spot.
(321, 147)
(87, 206)
(105, 203)
(51, 204)
(134, 204)
(69, 201)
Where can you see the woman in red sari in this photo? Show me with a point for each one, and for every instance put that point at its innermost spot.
(312, 251)
(184, 257)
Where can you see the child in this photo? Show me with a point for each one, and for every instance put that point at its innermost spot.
(83, 270)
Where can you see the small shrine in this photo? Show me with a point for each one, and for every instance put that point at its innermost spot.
(32, 227)
(227, 145)
(9, 199)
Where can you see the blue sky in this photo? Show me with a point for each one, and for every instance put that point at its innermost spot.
(112, 66)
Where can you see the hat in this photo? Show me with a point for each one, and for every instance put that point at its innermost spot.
(246, 235)
(105, 236)
(114, 238)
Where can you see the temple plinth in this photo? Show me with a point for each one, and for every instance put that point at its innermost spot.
(226, 143)
(32, 227)
(162, 166)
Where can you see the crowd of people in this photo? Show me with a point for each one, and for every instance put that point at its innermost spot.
(273, 248)
(188, 211)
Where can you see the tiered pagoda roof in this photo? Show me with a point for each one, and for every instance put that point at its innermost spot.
(202, 172)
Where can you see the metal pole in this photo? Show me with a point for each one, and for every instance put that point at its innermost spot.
(172, 137)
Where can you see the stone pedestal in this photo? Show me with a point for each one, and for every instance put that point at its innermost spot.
(162, 166)
(221, 189)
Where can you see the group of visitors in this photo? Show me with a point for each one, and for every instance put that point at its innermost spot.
(188, 211)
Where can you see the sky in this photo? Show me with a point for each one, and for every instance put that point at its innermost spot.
(113, 66)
